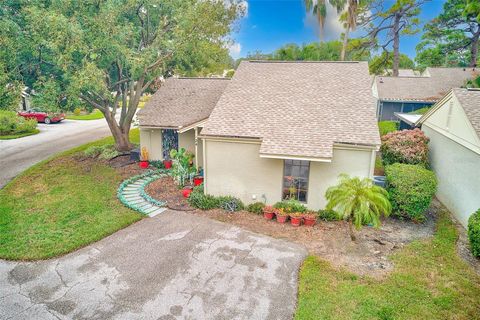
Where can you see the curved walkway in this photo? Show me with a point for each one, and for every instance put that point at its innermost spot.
(132, 193)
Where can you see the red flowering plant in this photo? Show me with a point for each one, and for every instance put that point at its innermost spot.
(405, 146)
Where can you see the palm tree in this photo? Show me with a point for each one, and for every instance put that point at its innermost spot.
(358, 201)
(349, 17)
(319, 8)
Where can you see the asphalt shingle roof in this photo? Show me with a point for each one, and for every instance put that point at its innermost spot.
(298, 108)
(470, 101)
(181, 102)
(432, 86)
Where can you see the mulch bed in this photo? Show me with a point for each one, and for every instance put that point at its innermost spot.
(165, 189)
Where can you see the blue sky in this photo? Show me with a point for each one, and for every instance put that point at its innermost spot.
(270, 24)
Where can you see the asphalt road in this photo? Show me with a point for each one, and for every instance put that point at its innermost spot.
(173, 266)
(19, 154)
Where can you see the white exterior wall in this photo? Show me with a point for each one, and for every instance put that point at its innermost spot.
(152, 140)
(356, 163)
(186, 140)
(455, 157)
(458, 173)
(235, 168)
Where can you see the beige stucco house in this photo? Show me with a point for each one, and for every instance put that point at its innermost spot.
(277, 130)
(453, 126)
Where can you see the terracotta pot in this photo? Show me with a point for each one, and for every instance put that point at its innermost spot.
(186, 192)
(296, 221)
(309, 221)
(282, 218)
(143, 164)
(167, 164)
(268, 215)
(197, 181)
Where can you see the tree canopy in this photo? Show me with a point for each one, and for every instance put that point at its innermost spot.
(454, 33)
(107, 53)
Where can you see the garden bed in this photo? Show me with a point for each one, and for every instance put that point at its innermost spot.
(328, 240)
(165, 189)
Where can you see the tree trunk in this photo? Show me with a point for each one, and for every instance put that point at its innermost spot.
(350, 230)
(120, 134)
(396, 45)
(345, 43)
(474, 48)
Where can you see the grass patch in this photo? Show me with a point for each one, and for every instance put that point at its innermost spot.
(94, 115)
(60, 205)
(19, 135)
(430, 281)
(420, 111)
(387, 127)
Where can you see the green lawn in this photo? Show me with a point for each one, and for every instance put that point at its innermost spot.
(94, 115)
(19, 135)
(60, 205)
(429, 282)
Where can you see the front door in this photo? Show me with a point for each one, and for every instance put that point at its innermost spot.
(169, 142)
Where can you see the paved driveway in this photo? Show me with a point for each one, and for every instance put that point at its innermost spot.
(19, 154)
(172, 266)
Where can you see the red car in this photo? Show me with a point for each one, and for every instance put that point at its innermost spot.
(42, 116)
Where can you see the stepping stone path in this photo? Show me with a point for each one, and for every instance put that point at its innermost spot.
(131, 196)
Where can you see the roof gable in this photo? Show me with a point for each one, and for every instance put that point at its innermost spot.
(181, 102)
(430, 87)
(298, 108)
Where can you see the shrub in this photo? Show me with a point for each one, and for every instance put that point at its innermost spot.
(411, 189)
(77, 111)
(230, 203)
(406, 146)
(202, 201)
(106, 152)
(11, 123)
(474, 233)
(290, 206)
(387, 127)
(256, 207)
(328, 215)
(183, 169)
(157, 164)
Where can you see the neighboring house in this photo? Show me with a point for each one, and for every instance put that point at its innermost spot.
(407, 120)
(453, 126)
(406, 94)
(172, 118)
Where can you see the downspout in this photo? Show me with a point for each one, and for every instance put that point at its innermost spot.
(196, 147)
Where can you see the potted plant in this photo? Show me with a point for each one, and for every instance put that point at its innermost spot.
(310, 218)
(296, 219)
(268, 212)
(282, 216)
(198, 180)
(186, 191)
(167, 163)
(144, 158)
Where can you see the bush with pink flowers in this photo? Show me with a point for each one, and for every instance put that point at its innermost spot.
(405, 146)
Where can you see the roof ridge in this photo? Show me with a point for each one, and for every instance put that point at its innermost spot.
(300, 61)
(200, 78)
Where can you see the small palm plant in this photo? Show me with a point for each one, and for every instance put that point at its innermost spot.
(358, 201)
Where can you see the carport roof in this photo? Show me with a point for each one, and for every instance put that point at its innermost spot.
(181, 102)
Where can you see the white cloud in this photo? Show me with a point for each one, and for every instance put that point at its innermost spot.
(235, 50)
(332, 28)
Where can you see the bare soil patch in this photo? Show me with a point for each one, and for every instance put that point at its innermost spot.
(165, 189)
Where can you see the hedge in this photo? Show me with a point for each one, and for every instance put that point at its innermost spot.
(411, 189)
(406, 146)
(12, 124)
(474, 233)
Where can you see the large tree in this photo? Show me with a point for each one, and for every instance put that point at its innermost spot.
(107, 53)
(455, 30)
(386, 25)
